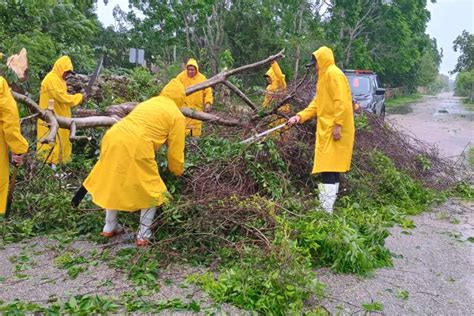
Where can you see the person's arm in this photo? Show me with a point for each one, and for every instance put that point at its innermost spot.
(208, 99)
(176, 143)
(60, 95)
(309, 112)
(11, 122)
(336, 91)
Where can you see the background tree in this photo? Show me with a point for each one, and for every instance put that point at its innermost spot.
(386, 36)
(48, 29)
(464, 43)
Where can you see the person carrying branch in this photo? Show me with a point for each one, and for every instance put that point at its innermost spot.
(10, 139)
(54, 88)
(200, 100)
(275, 89)
(332, 106)
(126, 177)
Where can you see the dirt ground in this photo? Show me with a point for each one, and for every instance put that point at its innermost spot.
(29, 271)
(433, 271)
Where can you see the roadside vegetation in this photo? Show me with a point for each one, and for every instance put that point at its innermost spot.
(471, 157)
(403, 100)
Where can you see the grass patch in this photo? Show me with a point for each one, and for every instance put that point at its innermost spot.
(471, 157)
(469, 106)
(403, 100)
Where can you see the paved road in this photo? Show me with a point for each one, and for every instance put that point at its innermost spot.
(441, 121)
(433, 272)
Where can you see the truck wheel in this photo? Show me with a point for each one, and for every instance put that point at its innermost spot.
(382, 112)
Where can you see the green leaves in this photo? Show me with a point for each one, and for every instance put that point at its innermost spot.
(373, 307)
(274, 284)
(464, 43)
(73, 264)
(76, 305)
(48, 29)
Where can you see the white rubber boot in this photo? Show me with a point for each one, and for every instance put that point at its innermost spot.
(147, 216)
(110, 221)
(111, 225)
(328, 195)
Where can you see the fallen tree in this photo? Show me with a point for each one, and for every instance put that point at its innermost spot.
(116, 112)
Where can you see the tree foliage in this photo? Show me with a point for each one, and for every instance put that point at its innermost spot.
(386, 36)
(465, 84)
(48, 29)
(464, 43)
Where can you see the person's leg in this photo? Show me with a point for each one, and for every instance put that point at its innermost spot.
(111, 226)
(328, 190)
(147, 216)
(330, 177)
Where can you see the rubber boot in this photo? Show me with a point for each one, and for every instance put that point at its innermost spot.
(111, 226)
(328, 195)
(147, 216)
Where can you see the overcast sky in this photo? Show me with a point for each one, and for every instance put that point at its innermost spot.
(448, 19)
(104, 12)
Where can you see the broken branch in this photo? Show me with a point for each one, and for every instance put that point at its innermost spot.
(222, 76)
(50, 118)
(240, 94)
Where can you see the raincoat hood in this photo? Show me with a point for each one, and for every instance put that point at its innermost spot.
(325, 57)
(193, 62)
(175, 91)
(270, 73)
(62, 65)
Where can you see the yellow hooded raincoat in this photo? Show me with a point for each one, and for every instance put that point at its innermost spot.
(278, 85)
(197, 100)
(54, 87)
(126, 176)
(332, 105)
(10, 138)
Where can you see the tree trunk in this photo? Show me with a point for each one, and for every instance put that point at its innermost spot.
(298, 46)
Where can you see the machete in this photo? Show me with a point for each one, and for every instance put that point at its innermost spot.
(260, 135)
(94, 76)
(80, 194)
(11, 191)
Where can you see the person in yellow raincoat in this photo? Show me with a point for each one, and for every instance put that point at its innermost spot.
(275, 89)
(126, 176)
(332, 106)
(54, 88)
(10, 139)
(200, 101)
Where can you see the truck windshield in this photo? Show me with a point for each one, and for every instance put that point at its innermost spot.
(359, 85)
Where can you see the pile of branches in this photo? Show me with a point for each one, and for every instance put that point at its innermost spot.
(220, 180)
(207, 225)
(117, 83)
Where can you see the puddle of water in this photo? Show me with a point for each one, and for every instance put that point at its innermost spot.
(403, 109)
